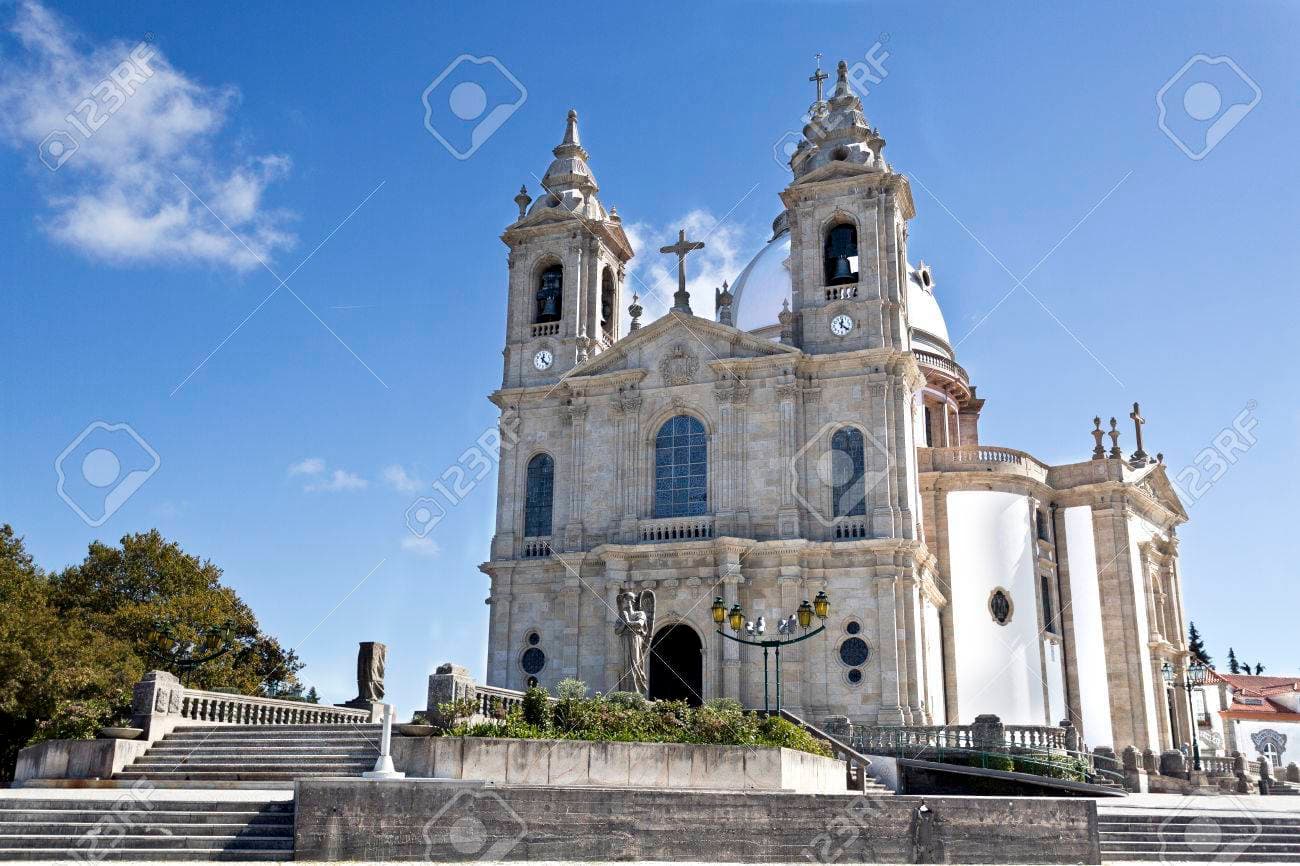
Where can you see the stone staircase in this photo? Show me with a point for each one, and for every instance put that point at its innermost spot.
(209, 755)
(135, 827)
(1197, 837)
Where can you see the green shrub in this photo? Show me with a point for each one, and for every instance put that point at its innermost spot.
(629, 700)
(537, 707)
(570, 689)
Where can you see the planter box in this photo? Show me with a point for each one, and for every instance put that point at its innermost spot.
(580, 763)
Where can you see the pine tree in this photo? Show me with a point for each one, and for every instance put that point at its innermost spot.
(1197, 646)
(1234, 666)
(1259, 669)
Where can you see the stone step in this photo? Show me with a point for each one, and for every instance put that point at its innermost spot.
(154, 841)
(233, 775)
(152, 760)
(188, 828)
(276, 730)
(245, 748)
(227, 809)
(243, 855)
(1105, 820)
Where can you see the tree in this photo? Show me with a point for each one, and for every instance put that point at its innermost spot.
(72, 644)
(1197, 647)
(1234, 666)
(1259, 669)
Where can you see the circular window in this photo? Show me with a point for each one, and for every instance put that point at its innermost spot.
(534, 638)
(1000, 606)
(854, 676)
(532, 682)
(854, 652)
(853, 627)
(533, 660)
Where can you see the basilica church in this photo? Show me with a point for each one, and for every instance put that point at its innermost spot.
(816, 435)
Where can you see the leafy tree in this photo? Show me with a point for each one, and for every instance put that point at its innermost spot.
(72, 644)
(1234, 666)
(1259, 669)
(1197, 646)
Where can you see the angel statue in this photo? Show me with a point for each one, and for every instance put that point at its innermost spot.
(636, 623)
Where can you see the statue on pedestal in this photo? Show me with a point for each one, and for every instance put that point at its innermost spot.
(636, 622)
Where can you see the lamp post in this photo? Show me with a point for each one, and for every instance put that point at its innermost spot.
(820, 607)
(1193, 678)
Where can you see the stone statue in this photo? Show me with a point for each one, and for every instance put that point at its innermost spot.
(636, 622)
(371, 658)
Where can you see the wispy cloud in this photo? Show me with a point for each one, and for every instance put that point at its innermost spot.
(421, 546)
(307, 466)
(122, 120)
(396, 477)
(338, 480)
(654, 274)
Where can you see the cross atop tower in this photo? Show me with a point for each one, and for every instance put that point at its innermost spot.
(682, 298)
(818, 77)
(1140, 457)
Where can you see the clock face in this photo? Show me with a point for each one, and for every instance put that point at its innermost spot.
(841, 325)
(543, 359)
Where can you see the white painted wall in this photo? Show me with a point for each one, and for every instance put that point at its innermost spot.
(934, 664)
(998, 667)
(1085, 612)
(1244, 728)
(1053, 661)
(1139, 532)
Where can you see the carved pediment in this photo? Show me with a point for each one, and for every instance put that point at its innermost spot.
(1156, 484)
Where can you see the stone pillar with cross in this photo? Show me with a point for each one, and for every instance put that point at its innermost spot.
(1140, 458)
(682, 298)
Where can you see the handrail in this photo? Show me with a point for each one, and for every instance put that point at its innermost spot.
(855, 762)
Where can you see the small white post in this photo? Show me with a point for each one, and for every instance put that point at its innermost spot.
(384, 768)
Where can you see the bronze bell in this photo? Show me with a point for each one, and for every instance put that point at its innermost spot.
(842, 269)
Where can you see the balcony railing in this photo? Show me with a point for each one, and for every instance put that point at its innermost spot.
(939, 362)
(849, 528)
(975, 458)
(677, 529)
(546, 329)
(537, 548)
(841, 293)
(225, 709)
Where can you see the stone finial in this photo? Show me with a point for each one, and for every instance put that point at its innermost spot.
(723, 299)
(1098, 450)
(523, 200)
(786, 318)
(1173, 763)
(1149, 763)
(842, 89)
(1115, 453)
(571, 129)
(1130, 758)
(613, 215)
(635, 310)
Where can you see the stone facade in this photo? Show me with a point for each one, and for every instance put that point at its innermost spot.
(911, 638)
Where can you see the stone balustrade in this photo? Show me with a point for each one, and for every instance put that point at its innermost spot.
(987, 734)
(545, 329)
(942, 364)
(493, 698)
(981, 458)
(537, 548)
(850, 528)
(841, 293)
(160, 703)
(676, 529)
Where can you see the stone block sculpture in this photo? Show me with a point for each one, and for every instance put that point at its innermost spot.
(636, 622)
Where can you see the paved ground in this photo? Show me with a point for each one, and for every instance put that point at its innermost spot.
(224, 795)
(1161, 804)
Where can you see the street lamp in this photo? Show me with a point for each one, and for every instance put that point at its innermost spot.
(820, 607)
(1193, 678)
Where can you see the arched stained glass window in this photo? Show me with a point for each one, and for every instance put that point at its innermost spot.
(848, 473)
(841, 254)
(540, 493)
(681, 468)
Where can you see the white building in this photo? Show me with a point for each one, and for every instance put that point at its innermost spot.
(820, 435)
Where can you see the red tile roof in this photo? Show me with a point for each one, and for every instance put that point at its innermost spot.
(1251, 695)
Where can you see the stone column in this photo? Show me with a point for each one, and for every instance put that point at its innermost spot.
(891, 711)
(881, 495)
(575, 415)
(728, 650)
(791, 476)
(627, 409)
(789, 581)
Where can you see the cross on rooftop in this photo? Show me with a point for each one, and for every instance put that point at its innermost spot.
(818, 77)
(682, 298)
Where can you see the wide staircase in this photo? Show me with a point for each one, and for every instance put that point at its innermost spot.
(134, 827)
(270, 755)
(1199, 837)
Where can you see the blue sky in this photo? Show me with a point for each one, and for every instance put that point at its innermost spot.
(290, 441)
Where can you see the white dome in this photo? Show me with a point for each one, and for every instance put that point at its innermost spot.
(923, 314)
(764, 285)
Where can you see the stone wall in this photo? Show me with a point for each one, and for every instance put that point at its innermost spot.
(76, 759)
(620, 765)
(448, 821)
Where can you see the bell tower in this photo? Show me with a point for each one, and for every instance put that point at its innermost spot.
(567, 264)
(848, 214)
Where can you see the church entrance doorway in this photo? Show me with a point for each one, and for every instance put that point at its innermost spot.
(677, 665)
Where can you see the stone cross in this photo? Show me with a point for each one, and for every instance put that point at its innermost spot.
(682, 298)
(1140, 457)
(818, 77)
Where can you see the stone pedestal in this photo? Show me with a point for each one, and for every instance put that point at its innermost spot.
(1135, 776)
(448, 683)
(156, 704)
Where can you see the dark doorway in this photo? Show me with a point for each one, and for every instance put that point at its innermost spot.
(677, 665)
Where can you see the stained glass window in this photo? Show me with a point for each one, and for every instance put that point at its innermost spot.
(541, 491)
(681, 468)
(854, 652)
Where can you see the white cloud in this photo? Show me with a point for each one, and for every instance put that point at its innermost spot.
(653, 275)
(395, 477)
(422, 546)
(339, 479)
(307, 466)
(115, 196)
